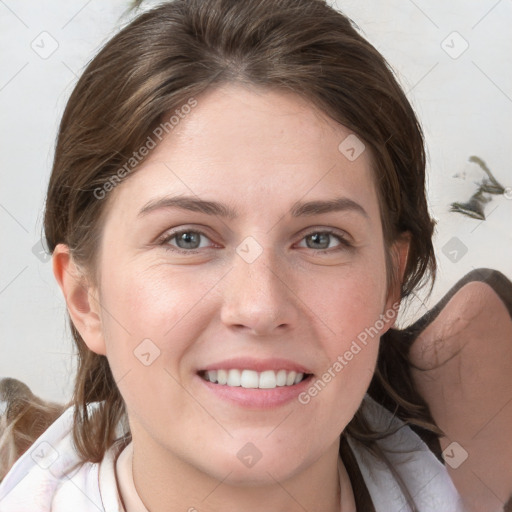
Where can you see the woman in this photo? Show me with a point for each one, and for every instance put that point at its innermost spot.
(236, 210)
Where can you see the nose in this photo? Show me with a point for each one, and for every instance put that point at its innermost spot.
(258, 297)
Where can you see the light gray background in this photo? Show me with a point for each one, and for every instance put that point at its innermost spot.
(464, 104)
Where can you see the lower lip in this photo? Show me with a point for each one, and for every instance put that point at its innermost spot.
(256, 398)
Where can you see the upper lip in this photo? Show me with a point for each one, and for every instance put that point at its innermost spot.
(258, 365)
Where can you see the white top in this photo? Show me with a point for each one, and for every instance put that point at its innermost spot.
(43, 478)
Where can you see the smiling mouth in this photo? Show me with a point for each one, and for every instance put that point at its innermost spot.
(250, 379)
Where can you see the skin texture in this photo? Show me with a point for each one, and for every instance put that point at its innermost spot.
(259, 152)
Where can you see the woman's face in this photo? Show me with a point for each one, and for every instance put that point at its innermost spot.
(253, 284)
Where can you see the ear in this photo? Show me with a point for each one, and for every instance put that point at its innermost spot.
(399, 256)
(81, 298)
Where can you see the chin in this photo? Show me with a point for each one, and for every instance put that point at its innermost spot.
(250, 466)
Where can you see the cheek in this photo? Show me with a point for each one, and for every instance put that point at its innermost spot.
(351, 302)
(146, 301)
(150, 321)
(352, 306)
(154, 304)
(352, 310)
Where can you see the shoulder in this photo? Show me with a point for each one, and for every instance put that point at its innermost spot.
(406, 467)
(462, 353)
(50, 475)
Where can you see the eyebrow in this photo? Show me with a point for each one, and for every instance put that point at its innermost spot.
(299, 209)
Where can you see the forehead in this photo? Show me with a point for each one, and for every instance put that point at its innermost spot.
(256, 148)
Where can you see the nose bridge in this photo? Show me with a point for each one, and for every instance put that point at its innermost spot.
(256, 294)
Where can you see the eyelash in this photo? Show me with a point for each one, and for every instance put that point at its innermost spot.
(344, 243)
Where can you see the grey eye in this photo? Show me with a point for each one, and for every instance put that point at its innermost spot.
(188, 240)
(319, 240)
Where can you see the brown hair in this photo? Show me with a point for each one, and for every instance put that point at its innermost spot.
(175, 52)
(23, 419)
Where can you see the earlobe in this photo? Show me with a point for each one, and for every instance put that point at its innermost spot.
(401, 248)
(399, 258)
(81, 299)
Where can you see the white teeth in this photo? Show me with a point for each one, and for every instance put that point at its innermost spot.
(268, 379)
(249, 379)
(234, 378)
(281, 378)
(290, 378)
(222, 377)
